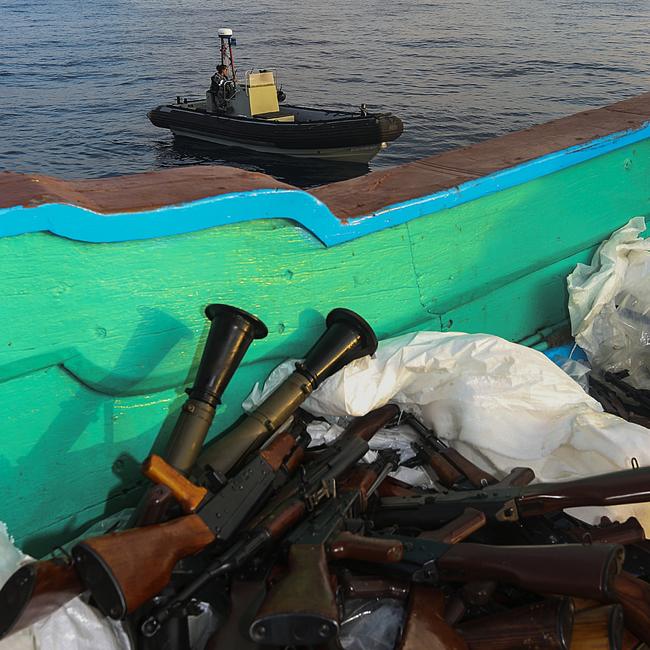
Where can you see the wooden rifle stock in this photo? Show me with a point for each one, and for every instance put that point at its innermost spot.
(124, 570)
(568, 569)
(304, 596)
(34, 591)
(627, 486)
(546, 625)
(598, 628)
(425, 626)
(347, 546)
(634, 595)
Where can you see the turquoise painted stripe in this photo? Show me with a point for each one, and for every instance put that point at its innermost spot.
(301, 207)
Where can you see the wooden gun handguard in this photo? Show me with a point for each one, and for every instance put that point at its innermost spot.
(546, 625)
(425, 626)
(446, 472)
(301, 608)
(457, 530)
(348, 546)
(475, 475)
(567, 569)
(598, 628)
(634, 594)
(124, 570)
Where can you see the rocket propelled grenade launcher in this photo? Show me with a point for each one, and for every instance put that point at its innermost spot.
(347, 337)
(232, 330)
(38, 588)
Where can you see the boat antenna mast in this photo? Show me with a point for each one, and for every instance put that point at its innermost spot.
(227, 41)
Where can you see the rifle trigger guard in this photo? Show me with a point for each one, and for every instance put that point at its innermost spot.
(427, 573)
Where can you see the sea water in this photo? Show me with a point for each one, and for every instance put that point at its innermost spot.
(78, 77)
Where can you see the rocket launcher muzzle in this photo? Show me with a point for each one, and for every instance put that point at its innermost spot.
(232, 330)
(347, 337)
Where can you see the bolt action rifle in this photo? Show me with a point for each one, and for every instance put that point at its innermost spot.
(511, 504)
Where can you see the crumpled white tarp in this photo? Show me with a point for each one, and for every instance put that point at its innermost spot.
(609, 304)
(501, 404)
(75, 626)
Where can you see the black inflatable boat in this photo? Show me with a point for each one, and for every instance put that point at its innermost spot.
(312, 133)
(248, 114)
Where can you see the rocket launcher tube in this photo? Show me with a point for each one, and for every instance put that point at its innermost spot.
(347, 337)
(232, 330)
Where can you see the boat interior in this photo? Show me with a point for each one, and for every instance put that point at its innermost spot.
(257, 98)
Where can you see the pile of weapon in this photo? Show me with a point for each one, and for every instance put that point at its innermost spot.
(277, 536)
(619, 397)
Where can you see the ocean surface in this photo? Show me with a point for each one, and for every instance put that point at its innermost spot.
(78, 77)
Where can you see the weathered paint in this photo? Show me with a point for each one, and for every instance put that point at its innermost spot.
(301, 207)
(98, 340)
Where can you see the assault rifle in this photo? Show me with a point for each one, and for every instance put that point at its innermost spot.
(37, 589)
(449, 466)
(121, 582)
(511, 504)
(277, 519)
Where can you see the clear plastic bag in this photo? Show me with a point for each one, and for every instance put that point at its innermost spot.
(371, 624)
(609, 303)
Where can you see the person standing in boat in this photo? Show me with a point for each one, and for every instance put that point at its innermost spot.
(219, 83)
(219, 78)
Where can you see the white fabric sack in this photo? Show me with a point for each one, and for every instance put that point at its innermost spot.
(501, 404)
(609, 304)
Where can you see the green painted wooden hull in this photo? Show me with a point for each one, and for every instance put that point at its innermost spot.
(98, 340)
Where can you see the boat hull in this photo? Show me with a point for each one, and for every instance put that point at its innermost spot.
(352, 138)
(105, 281)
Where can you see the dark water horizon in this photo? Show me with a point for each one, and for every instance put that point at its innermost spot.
(77, 78)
